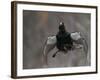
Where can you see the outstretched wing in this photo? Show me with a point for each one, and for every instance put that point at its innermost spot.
(75, 35)
(49, 45)
(79, 38)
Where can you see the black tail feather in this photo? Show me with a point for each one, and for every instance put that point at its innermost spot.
(55, 54)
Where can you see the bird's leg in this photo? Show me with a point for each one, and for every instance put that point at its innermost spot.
(55, 53)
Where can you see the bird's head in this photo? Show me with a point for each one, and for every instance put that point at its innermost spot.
(61, 27)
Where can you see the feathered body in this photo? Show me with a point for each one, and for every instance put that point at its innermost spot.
(64, 40)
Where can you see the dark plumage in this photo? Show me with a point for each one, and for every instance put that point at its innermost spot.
(64, 40)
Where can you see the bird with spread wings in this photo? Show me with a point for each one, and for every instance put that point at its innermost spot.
(63, 41)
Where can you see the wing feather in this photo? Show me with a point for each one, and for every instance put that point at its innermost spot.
(49, 45)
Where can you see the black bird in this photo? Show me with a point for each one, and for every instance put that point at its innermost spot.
(64, 40)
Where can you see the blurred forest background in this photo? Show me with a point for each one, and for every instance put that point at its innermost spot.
(38, 25)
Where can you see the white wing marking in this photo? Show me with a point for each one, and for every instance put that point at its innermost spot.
(51, 40)
(75, 35)
(49, 45)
